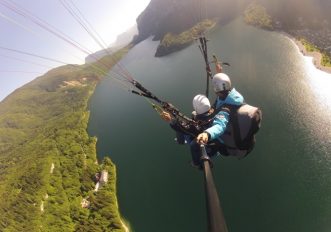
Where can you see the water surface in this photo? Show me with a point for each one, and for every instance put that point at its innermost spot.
(283, 185)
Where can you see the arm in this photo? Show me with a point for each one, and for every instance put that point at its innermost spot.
(181, 136)
(217, 129)
(218, 64)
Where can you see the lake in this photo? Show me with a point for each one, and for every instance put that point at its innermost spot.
(283, 185)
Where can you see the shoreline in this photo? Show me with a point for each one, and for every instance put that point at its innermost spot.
(317, 57)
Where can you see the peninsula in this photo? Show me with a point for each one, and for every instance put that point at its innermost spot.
(321, 60)
(175, 42)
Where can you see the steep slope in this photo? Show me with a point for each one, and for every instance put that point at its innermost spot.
(48, 161)
(163, 16)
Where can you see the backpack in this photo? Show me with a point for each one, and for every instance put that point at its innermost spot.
(239, 137)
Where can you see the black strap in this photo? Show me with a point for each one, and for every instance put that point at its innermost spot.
(145, 92)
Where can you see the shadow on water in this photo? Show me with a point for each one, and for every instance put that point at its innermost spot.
(284, 185)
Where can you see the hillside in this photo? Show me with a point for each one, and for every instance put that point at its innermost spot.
(295, 14)
(164, 16)
(308, 19)
(48, 162)
(170, 16)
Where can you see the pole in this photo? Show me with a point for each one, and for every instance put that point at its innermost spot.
(207, 86)
(204, 51)
(215, 216)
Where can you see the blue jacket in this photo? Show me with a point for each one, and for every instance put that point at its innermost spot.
(222, 118)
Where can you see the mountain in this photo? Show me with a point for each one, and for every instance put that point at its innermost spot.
(163, 16)
(48, 163)
(294, 14)
(309, 19)
(177, 23)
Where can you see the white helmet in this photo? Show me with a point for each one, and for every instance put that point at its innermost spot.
(221, 82)
(201, 104)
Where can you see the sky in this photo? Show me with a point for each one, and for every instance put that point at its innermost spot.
(109, 18)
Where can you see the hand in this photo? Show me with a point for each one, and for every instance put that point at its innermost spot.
(218, 67)
(202, 138)
(166, 116)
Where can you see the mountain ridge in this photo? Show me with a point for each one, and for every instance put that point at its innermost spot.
(307, 18)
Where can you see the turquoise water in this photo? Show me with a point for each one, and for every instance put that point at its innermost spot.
(283, 185)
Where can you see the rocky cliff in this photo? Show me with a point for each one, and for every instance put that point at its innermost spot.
(163, 16)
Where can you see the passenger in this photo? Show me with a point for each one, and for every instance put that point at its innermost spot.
(226, 95)
(235, 123)
(203, 113)
(228, 128)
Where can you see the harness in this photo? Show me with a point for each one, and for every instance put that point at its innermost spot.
(233, 121)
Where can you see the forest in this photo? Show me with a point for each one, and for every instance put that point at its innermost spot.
(48, 162)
